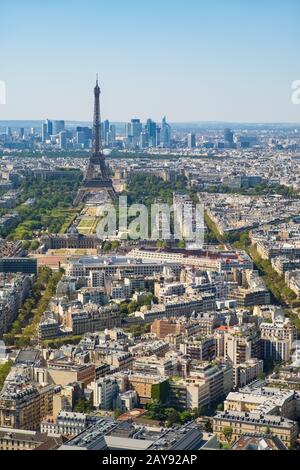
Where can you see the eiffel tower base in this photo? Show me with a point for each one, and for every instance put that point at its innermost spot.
(88, 189)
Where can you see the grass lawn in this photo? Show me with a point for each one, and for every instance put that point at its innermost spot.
(87, 226)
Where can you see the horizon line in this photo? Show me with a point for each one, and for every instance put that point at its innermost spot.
(170, 122)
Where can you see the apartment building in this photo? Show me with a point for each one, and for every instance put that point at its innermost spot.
(22, 439)
(23, 405)
(219, 377)
(105, 391)
(14, 288)
(93, 318)
(64, 372)
(241, 343)
(67, 423)
(252, 423)
(243, 374)
(277, 339)
(205, 385)
(199, 348)
(146, 385)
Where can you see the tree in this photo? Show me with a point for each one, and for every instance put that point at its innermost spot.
(22, 342)
(83, 406)
(46, 211)
(106, 247)
(34, 245)
(115, 245)
(132, 306)
(24, 327)
(208, 426)
(181, 244)
(172, 417)
(228, 431)
(26, 245)
(117, 413)
(161, 244)
(156, 410)
(4, 371)
(124, 309)
(185, 417)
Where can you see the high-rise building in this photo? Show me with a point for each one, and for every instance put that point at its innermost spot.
(228, 136)
(47, 130)
(136, 130)
(152, 133)
(105, 131)
(83, 136)
(165, 134)
(49, 125)
(44, 132)
(112, 134)
(63, 140)
(158, 130)
(144, 140)
(136, 127)
(80, 138)
(191, 141)
(128, 130)
(58, 126)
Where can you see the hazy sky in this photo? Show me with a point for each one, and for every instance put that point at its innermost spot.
(193, 60)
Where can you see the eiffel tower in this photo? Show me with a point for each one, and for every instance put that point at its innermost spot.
(97, 177)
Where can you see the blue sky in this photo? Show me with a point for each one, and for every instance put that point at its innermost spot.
(193, 60)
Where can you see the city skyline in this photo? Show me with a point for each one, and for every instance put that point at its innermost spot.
(145, 67)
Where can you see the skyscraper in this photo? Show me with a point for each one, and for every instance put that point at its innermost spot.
(191, 141)
(58, 126)
(80, 138)
(105, 131)
(158, 130)
(44, 132)
(47, 130)
(83, 136)
(49, 127)
(136, 129)
(152, 132)
(128, 130)
(63, 140)
(165, 134)
(228, 136)
(144, 140)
